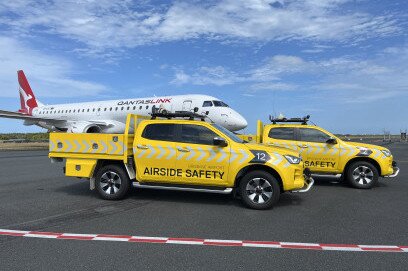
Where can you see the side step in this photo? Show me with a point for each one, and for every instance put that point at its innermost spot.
(181, 188)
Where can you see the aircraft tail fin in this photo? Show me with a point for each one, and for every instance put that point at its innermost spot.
(27, 97)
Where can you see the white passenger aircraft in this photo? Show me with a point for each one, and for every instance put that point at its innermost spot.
(110, 116)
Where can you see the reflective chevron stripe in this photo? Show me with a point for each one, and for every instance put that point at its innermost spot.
(172, 152)
(192, 154)
(233, 156)
(223, 155)
(85, 143)
(245, 156)
(213, 154)
(202, 154)
(152, 151)
(162, 152)
(52, 146)
(142, 152)
(278, 160)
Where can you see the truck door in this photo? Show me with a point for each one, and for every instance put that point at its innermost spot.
(155, 154)
(202, 163)
(318, 155)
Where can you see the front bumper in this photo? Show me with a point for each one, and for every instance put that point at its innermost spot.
(309, 182)
(396, 171)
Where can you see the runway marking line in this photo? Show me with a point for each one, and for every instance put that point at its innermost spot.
(204, 242)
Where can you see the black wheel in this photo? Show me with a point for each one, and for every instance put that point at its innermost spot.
(361, 174)
(259, 190)
(112, 182)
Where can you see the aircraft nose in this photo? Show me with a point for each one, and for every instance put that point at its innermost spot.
(239, 122)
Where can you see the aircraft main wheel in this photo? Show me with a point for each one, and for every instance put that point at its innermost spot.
(361, 174)
(259, 190)
(112, 182)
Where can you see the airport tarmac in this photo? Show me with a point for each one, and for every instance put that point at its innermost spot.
(35, 196)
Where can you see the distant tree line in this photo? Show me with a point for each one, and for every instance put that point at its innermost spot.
(28, 136)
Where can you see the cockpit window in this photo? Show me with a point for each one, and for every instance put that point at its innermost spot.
(207, 104)
(220, 104)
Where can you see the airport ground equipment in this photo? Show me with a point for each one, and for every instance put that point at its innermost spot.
(325, 154)
(180, 154)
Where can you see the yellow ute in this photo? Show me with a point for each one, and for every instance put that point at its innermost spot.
(180, 154)
(324, 153)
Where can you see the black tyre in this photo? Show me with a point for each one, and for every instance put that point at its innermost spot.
(112, 182)
(259, 190)
(361, 174)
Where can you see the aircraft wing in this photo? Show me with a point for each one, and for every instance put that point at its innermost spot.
(17, 115)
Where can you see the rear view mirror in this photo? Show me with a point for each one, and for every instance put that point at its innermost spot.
(331, 141)
(219, 141)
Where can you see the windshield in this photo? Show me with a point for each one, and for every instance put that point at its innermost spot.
(228, 133)
(220, 104)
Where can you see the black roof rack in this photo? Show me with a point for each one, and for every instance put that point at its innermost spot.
(303, 120)
(178, 114)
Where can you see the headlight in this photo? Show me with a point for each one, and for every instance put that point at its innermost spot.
(293, 159)
(364, 151)
(386, 153)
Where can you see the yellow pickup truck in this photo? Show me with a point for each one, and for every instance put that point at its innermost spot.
(166, 152)
(324, 153)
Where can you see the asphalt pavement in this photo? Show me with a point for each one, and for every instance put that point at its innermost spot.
(35, 195)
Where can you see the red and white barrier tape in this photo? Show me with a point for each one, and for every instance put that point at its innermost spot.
(203, 242)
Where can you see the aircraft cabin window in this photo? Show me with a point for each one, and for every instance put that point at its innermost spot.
(110, 109)
(220, 104)
(122, 108)
(128, 108)
(99, 109)
(93, 110)
(116, 109)
(282, 133)
(74, 111)
(197, 134)
(134, 107)
(164, 132)
(140, 107)
(313, 135)
(207, 104)
(105, 109)
(147, 107)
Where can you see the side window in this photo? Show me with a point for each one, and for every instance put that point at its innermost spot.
(282, 133)
(207, 104)
(197, 134)
(313, 135)
(164, 132)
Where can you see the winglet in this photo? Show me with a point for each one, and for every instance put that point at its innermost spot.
(27, 97)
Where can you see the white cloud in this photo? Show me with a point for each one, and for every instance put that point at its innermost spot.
(273, 86)
(347, 78)
(49, 76)
(219, 76)
(106, 24)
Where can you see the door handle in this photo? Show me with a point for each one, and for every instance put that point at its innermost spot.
(142, 147)
(182, 149)
(271, 144)
(303, 146)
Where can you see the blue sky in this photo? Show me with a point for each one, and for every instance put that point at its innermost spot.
(343, 62)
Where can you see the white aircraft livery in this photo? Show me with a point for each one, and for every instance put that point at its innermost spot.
(110, 116)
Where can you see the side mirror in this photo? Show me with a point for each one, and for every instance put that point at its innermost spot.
(331, 141)
(219, 141)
